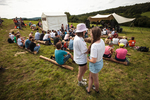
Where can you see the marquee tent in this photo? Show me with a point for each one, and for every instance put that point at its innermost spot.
(53, 21)
(118, 18)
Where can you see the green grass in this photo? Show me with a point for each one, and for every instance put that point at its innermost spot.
(29, 77)
(146, 14)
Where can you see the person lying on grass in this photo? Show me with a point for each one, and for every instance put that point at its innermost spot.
(59, 54)
(33, 47)
(108, 51)
(121, 53)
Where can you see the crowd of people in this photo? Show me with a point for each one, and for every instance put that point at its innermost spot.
(73, 38)
(19, 23)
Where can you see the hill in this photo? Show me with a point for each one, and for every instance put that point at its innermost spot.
(147, 14)
(27, 77)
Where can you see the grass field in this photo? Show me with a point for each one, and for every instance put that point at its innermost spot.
(27, 77)
(146, 14)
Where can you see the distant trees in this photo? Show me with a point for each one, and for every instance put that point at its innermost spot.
(126, 11)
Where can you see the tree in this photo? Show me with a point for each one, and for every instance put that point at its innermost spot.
(68, 15)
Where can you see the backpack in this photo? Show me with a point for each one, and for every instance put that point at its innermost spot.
(10, 41)
(143, 49)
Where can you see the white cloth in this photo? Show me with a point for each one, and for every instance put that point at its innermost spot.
(124, 41)
(19, 41)
(115, 40)
(46, 36)
(12, 37)
(97, 50)
(79, 47)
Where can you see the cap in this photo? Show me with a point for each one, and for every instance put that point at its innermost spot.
(121, 44)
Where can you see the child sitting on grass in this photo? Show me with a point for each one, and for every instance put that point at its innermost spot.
(20, 41)
(59, 54)
(108, 51)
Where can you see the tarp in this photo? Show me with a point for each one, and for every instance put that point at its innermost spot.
(53, 21)
(118, 18)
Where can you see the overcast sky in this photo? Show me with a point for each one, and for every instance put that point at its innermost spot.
(34, 8)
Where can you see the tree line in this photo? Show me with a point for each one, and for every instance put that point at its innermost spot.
(132, 11)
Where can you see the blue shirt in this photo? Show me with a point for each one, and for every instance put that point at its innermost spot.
(71, 44)
(37, 36)
(27, 43)
(59, 56)
(65, 33)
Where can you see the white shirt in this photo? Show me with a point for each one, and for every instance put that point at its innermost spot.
(37, 35)
(124, 41)
(52, 34)
(19, 41)
(66, 37)
(113, 32)
(79, 47)
(97, 50)
(46, 36)
(12, 37)
(115, 40)
(104, 32)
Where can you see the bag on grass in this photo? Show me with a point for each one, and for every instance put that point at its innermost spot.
(143, 49)
(10, 41)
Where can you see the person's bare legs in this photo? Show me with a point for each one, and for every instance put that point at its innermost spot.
(90, 82)
(81, 72)
(96, 82)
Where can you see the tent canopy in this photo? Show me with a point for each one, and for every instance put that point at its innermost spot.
(118, 18)
(53, 20)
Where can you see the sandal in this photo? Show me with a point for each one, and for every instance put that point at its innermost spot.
(94, 89)
(87, 91)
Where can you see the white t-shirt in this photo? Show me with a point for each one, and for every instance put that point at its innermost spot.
(46, 36)
(113, 32)
(123, 41)
(104, 32)
(97, 50)
(115, 40)
(12, 37)
(66, 37)
(79, 47)
(52, 34)
(19, 41)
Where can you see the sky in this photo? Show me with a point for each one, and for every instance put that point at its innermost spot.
(34, 8)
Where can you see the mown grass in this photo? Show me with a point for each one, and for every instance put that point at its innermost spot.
(146, 14)
(29, 77)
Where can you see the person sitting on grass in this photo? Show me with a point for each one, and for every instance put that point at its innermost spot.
(71, 43)
(115, 40)
(15, 38)
(47, 38)
(108, 51)
(42, 35)
(107, 40)
(132, 42)
(33, 47)
(121, 53)
(31, 35)
(56, 39)
(124, 41)
(59, 54)
(12, 36)
(20, 41)
(37, 35)
(27, 43)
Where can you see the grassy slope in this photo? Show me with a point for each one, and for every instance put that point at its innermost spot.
(146, 14)
(29, 77)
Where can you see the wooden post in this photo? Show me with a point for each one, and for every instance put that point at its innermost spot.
(114, 60)
(65, 66)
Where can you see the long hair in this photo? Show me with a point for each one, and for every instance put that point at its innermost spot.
(96, 32)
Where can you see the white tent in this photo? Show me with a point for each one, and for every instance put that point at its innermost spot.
(118, 18)
(53, 21)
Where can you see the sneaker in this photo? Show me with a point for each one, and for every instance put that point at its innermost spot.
(81, 83)
(84, 80)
